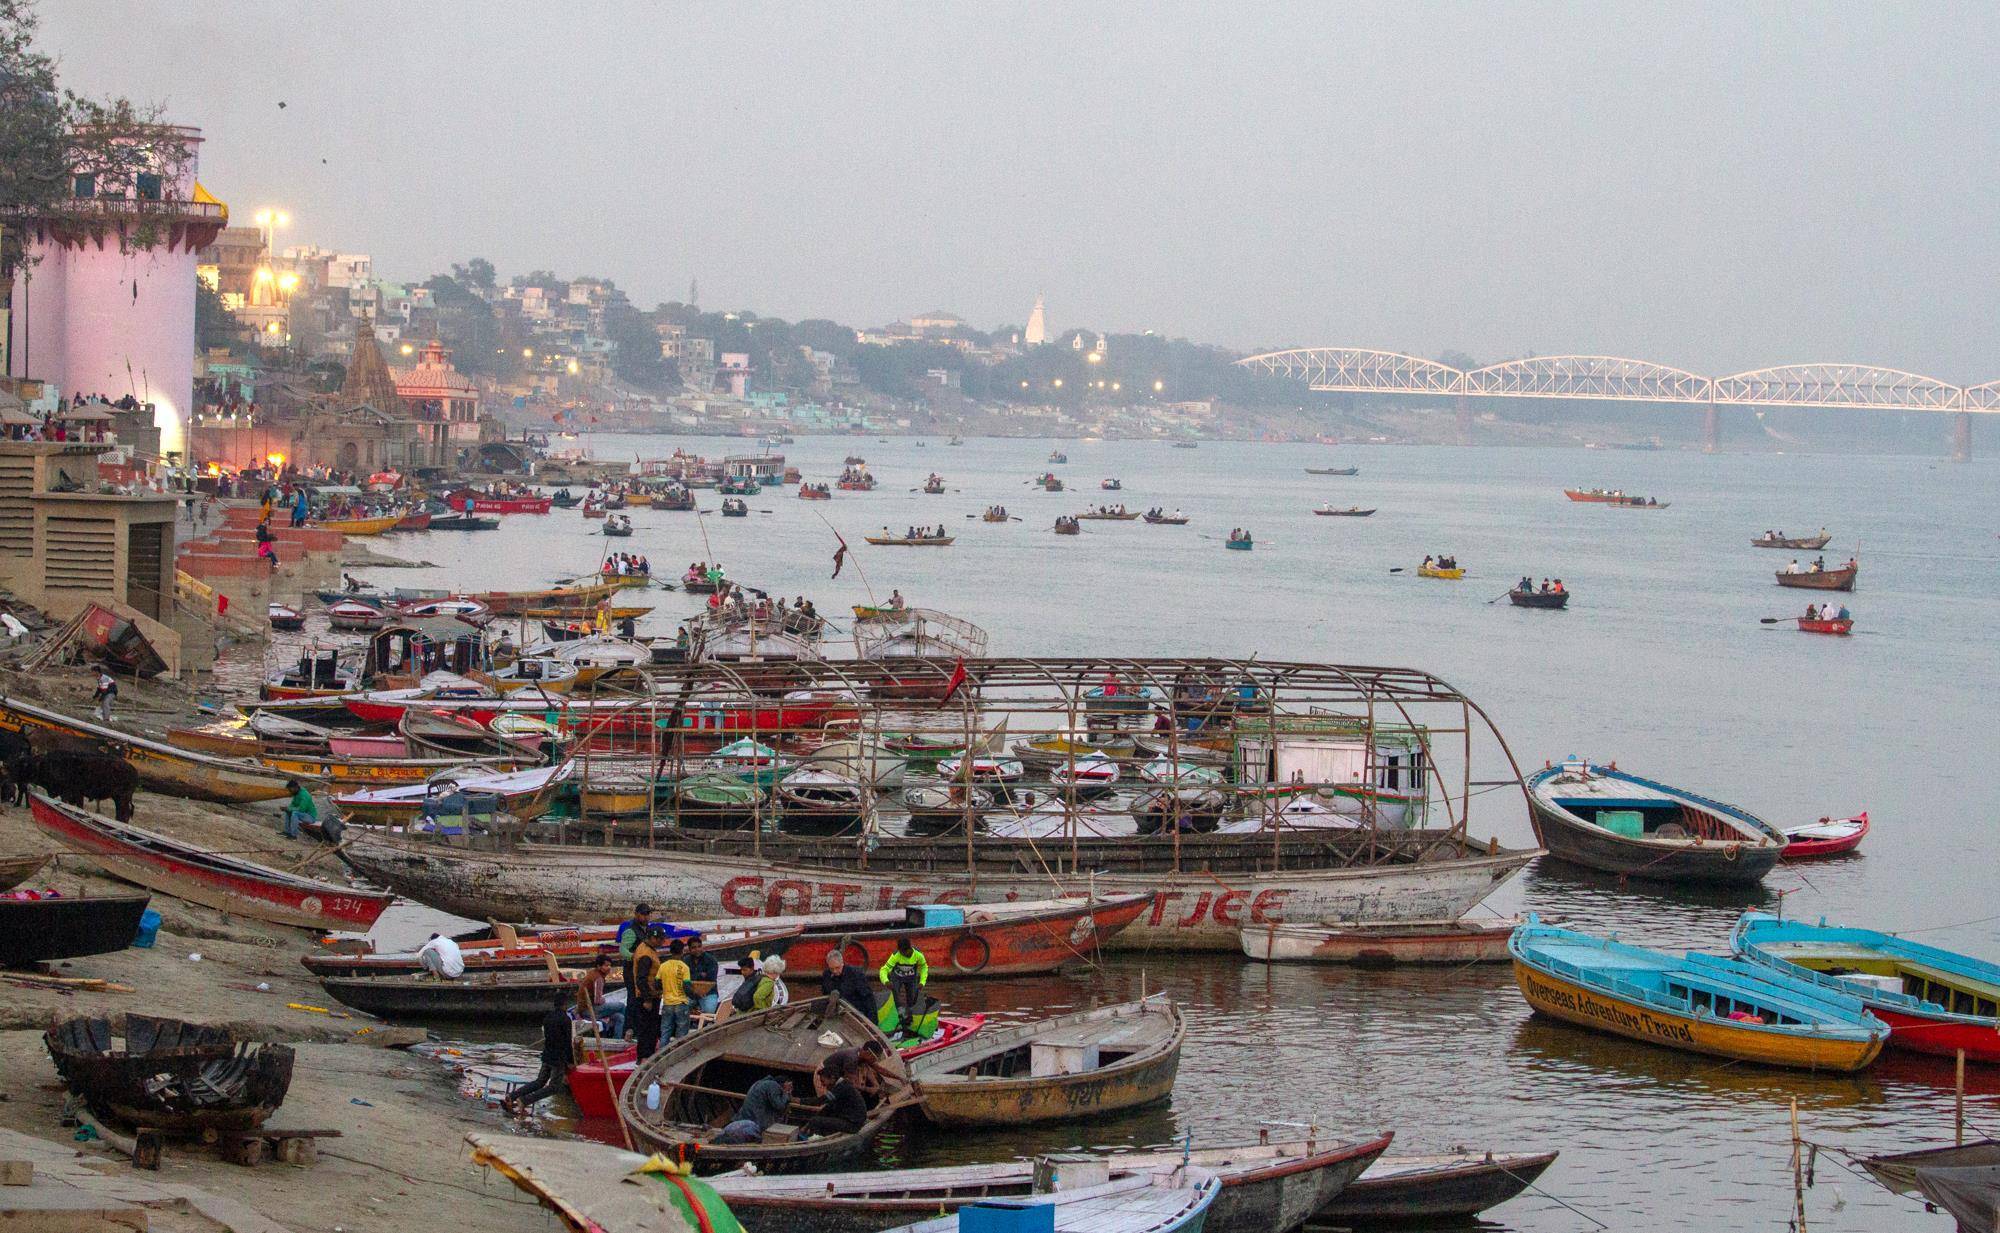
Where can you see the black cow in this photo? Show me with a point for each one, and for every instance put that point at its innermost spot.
(76, 778)
(14, 750)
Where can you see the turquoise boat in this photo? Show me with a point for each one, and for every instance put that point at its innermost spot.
(1240, 545)
(1696, 1003)
(1168, 1201)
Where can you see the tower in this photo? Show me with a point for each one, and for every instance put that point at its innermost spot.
(104, 302)
(1037, 332)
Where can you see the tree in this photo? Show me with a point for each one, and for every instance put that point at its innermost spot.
(477, 274)
(214, 324)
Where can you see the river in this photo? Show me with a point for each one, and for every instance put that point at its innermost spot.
(1659, 664)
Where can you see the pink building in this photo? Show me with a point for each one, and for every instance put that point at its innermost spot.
(735, 369)
(105, 302)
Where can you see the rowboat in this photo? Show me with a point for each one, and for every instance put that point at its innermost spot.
(1333, 470)
(1432, 571)
(1957, 1178)
(595, 1084)
(1110, 485)
(1163, 520)
(1369, 945)
(1697, 1003)
(361, 526)
(465, 522)
(1431, 1189)
(1603, 818)
(1174, 1200)
(1841, 579)
(1107, 515)
(700, 1081)
(182, 1078)
(225, 883)
(919, 541)
(1598, 496)
(37, 930)
(1826, 837)
(1274, 1186)
(416, 520)
(1076, 1065)
(15, 870)
(1934, 1000)
(525, 794)
(1352, 511)
(1240, 545)
(1810, 543)
(460, 606)
(475, 995)
(353, 614)
(286, 617)
(162, 768)
(569, 598)
(1068, 526)
(1002, 939)
(1538, 599)
(466, 501)
(1837, 626)
(514, 950)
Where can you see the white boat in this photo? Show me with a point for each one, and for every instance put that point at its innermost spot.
(1298, 813)
(984, 769)
(1055, 818)
(399, 803)
(1373, 944)
(1170, 1201)
(1089, 776)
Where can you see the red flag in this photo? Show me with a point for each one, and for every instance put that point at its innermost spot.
(839, 554)
(957, 679)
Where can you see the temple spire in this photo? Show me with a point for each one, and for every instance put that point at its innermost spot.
(368, 381)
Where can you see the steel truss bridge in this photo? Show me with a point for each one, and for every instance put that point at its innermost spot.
(1604, 378)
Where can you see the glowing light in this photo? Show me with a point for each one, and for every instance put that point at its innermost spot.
(1058, 382)
(1116, 386)
(527, 353)
(572, 368)
(1024, 385)
(407, 349)
(1095, 357)
(263, 274)
(288, 282)
(1158, 386)
(276, 460)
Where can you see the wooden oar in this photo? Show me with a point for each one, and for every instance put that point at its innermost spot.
(1397, 570)
(1502, 595)
(1772, 620)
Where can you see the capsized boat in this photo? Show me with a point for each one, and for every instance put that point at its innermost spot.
(1369, 945)
(1824, 838)
(1934, 1000)
(1076, 1065)
(183, 1078)
(39, 926)
(700, 1081)
(225, 883)
(1403, 1190)
(1603, 818)
(1697, 1003)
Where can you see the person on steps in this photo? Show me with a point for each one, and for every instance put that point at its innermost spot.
(558, 1053)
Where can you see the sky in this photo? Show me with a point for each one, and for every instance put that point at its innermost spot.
(1717, 187)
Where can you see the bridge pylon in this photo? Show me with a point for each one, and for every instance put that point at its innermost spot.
(1711, 429)
(1464, 420)
(1961, 437)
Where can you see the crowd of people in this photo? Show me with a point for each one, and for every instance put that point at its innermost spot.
(627, 565)
(915, 532)
(1439, 562)
(1527, 586)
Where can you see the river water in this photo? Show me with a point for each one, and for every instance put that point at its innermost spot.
(1659, 664)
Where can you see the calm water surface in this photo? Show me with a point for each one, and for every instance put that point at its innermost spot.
(1659, 664)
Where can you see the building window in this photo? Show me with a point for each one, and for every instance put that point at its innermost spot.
(84, 186)
(146, 185)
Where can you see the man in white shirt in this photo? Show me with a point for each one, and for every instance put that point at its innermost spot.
(441, 958)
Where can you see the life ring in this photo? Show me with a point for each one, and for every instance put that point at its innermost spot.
(971, 943)
(854, 952)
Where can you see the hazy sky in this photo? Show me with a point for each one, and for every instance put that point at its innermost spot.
(1713, 186)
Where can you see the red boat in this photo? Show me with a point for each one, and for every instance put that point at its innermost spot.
(574, 948)
(1826, 837)
(419, 521)
(990, 940)
(224, 883)
(706, 723)
(1821, 626)
(466, 501)
(596, 1097)
(1598, 496)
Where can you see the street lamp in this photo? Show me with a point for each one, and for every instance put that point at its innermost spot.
(407, 349)
(1058, 382)
(1158, 386)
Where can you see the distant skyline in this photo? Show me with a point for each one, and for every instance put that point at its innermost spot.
(1710, 186)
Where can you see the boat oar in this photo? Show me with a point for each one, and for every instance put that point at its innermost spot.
(1772, 620)
(1397, 570)
(1502, 595)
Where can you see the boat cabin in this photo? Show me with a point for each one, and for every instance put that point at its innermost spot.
(1875, 970)
(1384, 772)
(410, 649)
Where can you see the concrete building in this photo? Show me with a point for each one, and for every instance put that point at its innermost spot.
(105, 301)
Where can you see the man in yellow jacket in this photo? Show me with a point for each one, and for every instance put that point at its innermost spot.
(906, 972)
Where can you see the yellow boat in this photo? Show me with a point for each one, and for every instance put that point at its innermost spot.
(1432, 571)
(162, 768)
(638, 497)
(361, 526)
(566, 614)
(1696, 1003)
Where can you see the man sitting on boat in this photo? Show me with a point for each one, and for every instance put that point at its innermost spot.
(768, 1102)
(860, 1066)
(441, 958)
(906, 972)
(849, 985)
(844, 1111)
(299, 810)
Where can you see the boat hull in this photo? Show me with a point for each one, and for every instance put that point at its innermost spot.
(1821, 580)
(1538, 599)
(1039, 943)
(1836, 627)
(470, 997)
(1197, 908)
(1449, 1191)
(1451, 942)
(1720, 864)
(38, 930)
(161, 767)
(1571, 1002)
(1022, 1102)
(233, 886)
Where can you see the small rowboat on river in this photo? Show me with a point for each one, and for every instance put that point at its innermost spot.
(1367, 944)
(1352, 511)
(162, 768)
(1840, 627)
(1840, 579)
(1934, 1000)
(1244, 544)
(1598, 496)
(1811, 543)
(911, 541)
(1432, 571)
(286, 617)
(361, 526)
(1538, 599)
(467, 501)
(1826, 837)
(1333, 470)
(1697, 1003)
(1077, 1065)
(1431, 1189)
(475, 995)
(225, 883)
(1603, 818)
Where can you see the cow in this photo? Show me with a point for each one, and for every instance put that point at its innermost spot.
(75, 778)
(14, 750)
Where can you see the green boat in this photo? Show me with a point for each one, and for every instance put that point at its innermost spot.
(750, 762)
(718, 801)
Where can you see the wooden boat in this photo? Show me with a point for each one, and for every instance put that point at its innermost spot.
(809, 492)
(417, 520)
(1934, 1000)
(1538, 599)
(1962, 1179)
(1824, 838)
(181, 1078)
(620, 527)
(920, 541)
(1836, 626)
(467, 501)
(1068, 526)
(1273, 1186)
(702, 1079)
(1603, 818)
(595, 1084)
(525, 794)
(1841, 579)
(51, 926)
(571, 598)
(1697, 1003)
(162, 768)
(1432, 571)
(1057, 456)
(595, 511)
(1172, 1201)
(1598, 496)
(1352, 511)
(464, 522)
(1240, 545)
(738, 487)
(361, 526)
(1162, 520)
(1001, 939)
(1368, 945)
(225, 883)
(15, 870)
(1431, 1189)
(1077, 1065)
(1111, 485)
(518, 951)
(286, 617)
(465, 609)
(354, 615)
(1810, 543)
(1333, 470)
(864, 484)
(476, 995)
(1107, 515)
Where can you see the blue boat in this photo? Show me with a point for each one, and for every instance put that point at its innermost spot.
(1697, 1003)
(1170, 1201)
(1934, 1000)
